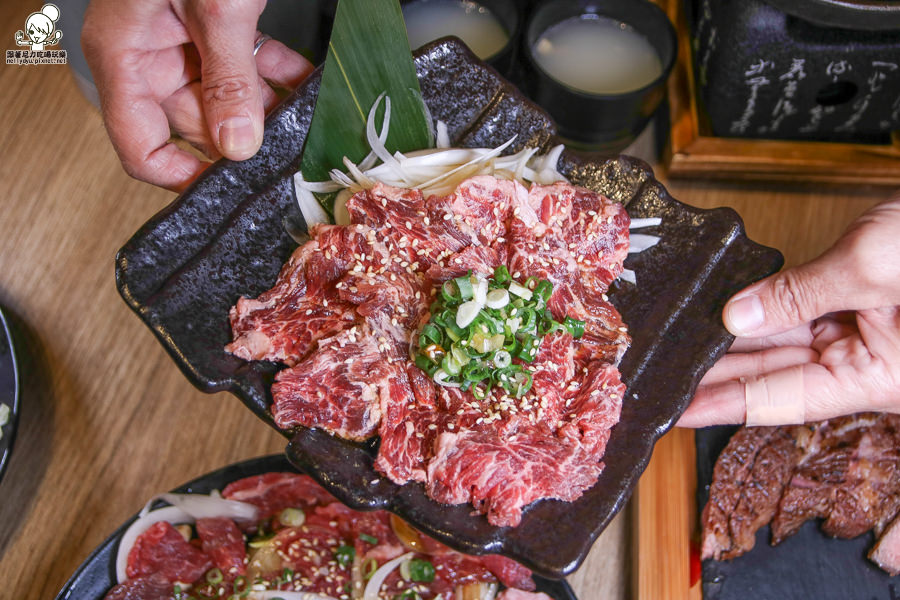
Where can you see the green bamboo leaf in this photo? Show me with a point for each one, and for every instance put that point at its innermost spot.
(368, 55)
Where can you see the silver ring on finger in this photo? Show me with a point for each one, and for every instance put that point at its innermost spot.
(261, 39)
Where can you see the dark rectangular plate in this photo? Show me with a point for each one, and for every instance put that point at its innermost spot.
(809, 564)
(224, 237)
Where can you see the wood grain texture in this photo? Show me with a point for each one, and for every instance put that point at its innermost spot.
(108, 420)
(663, 509)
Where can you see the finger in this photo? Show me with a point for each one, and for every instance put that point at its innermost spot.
(859, 272)
(184, 110)
(880, 328)
(803, 393)
(270, 98)
(721, 404)
(827, 332)
(799, 336)
(772, 399)
(785, 300)
(776, 398)
(754, 364)
(232, 99)
(280, 66)
(139, 131)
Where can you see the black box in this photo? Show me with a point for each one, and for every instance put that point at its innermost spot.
(764, 71)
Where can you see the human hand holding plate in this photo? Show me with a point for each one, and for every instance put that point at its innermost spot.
(816, 341)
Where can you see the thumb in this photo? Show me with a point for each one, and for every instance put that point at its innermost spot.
(224, 34)
(788, 299)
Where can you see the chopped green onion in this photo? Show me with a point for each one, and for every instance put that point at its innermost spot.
(344, 555)
(368, 538)
(543, 289)
(482, 330)
(425, 363)
(432, 333)
(524, 381)
(241, 586)
(464, 284)
(421, 570)
(528, 319)
(450, 366)
(292, 517)
(460, 355)
(575, 327)
(369, 567)
(497, 298)
(450, 293)
(467, 313)
(214, 576)
(520, 290)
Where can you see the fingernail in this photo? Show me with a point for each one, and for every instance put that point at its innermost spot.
(744, 315)
(237, 138)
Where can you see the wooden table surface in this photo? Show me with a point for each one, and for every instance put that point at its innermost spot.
(108, 420)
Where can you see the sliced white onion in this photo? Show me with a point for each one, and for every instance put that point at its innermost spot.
(487, 156)
(436, 171)
(647, 222)
(480, 290)
(375, 142)
(357, 174)
(377, 580)
(467, 312)
(272, 594)
(440, 378)
(341, 179)
(628, 275)
(310, 208)
(520, 290)
(443, 136)
(141, 524)
(497, 299)
(369, 161)
(202, 506)
(639, 242)
(319, 187)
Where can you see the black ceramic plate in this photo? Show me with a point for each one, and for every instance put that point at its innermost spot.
(97, 574)
(808, 564)
(9, 390)
(224, 237)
